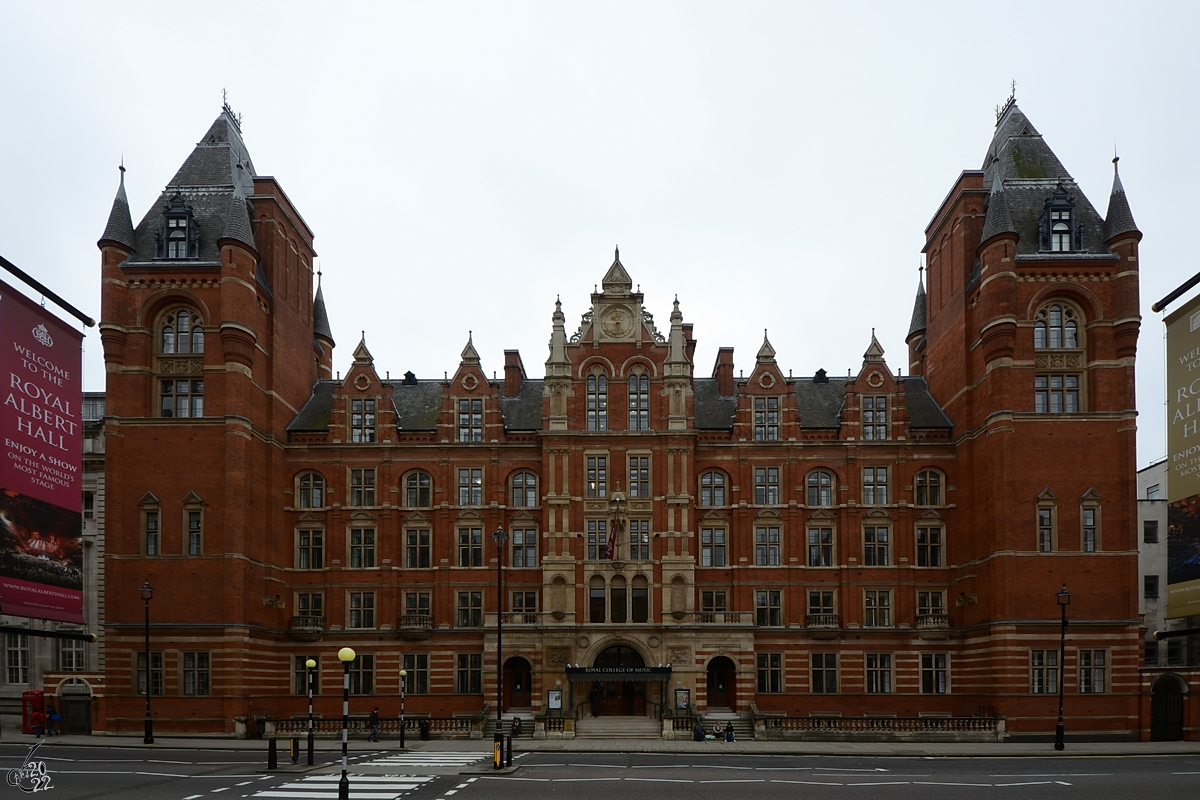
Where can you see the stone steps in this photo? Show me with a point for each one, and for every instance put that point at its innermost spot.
(618, 728)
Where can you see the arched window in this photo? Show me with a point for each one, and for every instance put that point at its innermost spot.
(820, 488)
(181, 332)
(929, 488)
(311, 486)
(712, 488)
(597, 401)
(1056, 327)
(524, 489)
(418, 490)
(639, 402)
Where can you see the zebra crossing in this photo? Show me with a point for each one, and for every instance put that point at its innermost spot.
(362, 787)
(424, 758)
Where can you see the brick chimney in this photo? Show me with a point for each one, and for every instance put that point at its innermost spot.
(723, 371)
(514, 373)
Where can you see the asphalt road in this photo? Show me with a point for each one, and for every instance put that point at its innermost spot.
(606, 776)
(133, 773)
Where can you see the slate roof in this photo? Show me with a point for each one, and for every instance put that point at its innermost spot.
(214, 181)
(713, 411)
(923, 410)
(1030, 171)
(918, 316)
(120, 224)
(998, 217)
(820, 404)
(524, 412)
(321, 317)
(417, 404)
(314, 415)
(1119, 218)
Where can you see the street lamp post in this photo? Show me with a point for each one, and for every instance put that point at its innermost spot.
(403, 679)
(310, 664)
(147, 594)
(1064, 600)
(345, 655)
(500, 537)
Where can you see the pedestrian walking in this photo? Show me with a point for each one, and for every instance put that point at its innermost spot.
(374, 721)
(36, 720)
(52, 721)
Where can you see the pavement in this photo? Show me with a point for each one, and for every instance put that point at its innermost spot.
(896, 749)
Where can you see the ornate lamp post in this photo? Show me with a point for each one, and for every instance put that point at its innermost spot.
(1064, 600)
(147, 595)
(403, 680)
(310, 664)
(345, 655)
(500, 537)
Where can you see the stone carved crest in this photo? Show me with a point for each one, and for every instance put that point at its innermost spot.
(679, 655)
(560, 655)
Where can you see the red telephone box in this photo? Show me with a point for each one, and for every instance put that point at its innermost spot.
(30, 702)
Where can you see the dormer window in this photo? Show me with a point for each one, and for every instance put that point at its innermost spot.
(180, 235)
(1058, 229)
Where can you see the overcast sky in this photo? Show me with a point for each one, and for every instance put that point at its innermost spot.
(772, 164)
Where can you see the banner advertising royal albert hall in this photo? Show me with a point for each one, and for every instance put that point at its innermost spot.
(41, 496)
(1183, 468)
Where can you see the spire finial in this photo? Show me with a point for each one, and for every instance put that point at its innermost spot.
(617, 252)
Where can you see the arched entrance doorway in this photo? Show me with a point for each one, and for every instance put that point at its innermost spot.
(1166, 710)
(619, 698)
(518, 679)
(722, 675)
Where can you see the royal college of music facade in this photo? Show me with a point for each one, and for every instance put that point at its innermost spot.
(890, 542)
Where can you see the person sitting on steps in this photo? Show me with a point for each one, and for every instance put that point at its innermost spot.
(718, 730)
(515, 729)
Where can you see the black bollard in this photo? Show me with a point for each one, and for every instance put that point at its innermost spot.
(272, 755)
(508, 761)
(295, 750)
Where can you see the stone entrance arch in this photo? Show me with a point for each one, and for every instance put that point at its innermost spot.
(618, 697)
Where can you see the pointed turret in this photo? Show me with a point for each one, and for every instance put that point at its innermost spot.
(237, 222)
(120, 224)
(557, 362)
(1119, 219)
(617, 280)
(766, 353)
(677, 357)
(470, 357)
(321, 329)
(998, 217)
(917, 326)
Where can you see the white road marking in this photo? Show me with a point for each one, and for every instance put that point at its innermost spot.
(660, 780)
(191, 797)
(810, 783)
(736, 780)
(582, 780)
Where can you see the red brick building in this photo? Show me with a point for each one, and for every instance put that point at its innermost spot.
(878, 544)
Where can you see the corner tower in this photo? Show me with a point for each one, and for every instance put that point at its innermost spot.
(1031, 323)
(211, 344)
